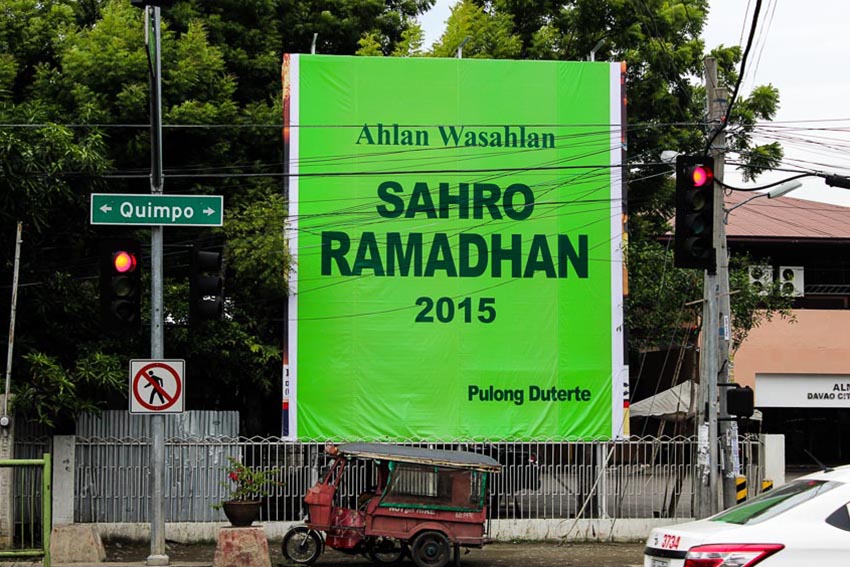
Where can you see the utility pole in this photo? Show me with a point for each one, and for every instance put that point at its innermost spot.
(7, 439)
(5, 420)
(710, 356)
(717, 97)
(157, 556)
(714, 359)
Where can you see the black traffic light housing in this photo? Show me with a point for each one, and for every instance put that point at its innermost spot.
(160, 3)
(120, 284)
(740, 401)
(694, 237)
(206, 301)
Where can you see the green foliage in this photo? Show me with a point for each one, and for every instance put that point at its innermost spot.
(664, 303)
(248, 483)
(660, 41)
(751, 306)
(762, 104)
(256, 245)
(409, 45)
(83, 62)
(489, 34)
(370, 45)
(411, 42)
(51, 391)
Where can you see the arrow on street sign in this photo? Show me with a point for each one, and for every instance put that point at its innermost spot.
(157, 210)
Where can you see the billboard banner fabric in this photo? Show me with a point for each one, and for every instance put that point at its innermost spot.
(455, 227)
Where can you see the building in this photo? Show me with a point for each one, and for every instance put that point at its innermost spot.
(799, 369)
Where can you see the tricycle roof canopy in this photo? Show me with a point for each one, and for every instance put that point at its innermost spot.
(399, 453)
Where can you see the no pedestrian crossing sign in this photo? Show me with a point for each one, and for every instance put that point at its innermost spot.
(157, 210)
(156, 386)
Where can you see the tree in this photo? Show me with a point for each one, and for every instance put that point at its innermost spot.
(660, 41)
(655, 282)
(74, 81)
(488, 34)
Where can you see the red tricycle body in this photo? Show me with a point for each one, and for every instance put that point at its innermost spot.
(425, 502)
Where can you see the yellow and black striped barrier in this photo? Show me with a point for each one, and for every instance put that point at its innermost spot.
(740, 489)
(766, 485)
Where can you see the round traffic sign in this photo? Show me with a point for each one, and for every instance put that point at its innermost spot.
(146, 378)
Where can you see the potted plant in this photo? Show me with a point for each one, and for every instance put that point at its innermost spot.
(246, 485)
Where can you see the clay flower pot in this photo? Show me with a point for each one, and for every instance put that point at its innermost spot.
(241, 513)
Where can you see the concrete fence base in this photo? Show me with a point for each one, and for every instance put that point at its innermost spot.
(76, 543)
(242, 547)
(500, 530)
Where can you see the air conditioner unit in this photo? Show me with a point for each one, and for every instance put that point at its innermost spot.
(761, 278)
(791, 280)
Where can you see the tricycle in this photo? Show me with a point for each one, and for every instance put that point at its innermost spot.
(426, 503)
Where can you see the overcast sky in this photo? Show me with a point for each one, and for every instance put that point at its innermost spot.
(803, 49)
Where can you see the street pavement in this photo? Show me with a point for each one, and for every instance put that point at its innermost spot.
(524, 554)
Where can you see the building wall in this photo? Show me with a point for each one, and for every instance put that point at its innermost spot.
(816, 343)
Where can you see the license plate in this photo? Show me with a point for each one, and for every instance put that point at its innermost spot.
(659, 562)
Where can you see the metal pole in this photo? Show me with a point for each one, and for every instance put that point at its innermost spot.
(46, 509)
(460, 47)
(12, 325)
(157, 556)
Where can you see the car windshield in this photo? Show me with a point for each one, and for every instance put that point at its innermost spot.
(770, 504)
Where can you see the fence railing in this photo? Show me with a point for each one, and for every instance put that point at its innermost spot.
(30, 534)
(638, 478)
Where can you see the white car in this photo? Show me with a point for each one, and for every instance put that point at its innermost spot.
(805, 522)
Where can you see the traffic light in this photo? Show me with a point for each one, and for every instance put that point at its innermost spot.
(694, 239)
(205, 286)
(160, 3)
(120, 284)
(740, 402)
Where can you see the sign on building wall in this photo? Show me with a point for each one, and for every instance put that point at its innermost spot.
(802, 391)
(456, 229)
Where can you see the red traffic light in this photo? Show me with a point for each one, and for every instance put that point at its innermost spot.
(124, 261)
(700, 175)
(694, 232)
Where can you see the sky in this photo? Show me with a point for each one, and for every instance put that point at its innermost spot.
(800, 47)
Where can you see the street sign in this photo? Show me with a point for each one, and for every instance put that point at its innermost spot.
(156, 386)
(160, 210)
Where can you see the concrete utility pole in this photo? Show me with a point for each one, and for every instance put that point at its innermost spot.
(157, 556)
(714, 362)
(718, 103)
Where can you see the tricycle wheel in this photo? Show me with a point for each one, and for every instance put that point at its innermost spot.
(386, 550)
(302, 545)
(430, 549)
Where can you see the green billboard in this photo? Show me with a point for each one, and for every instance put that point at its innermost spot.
(456, 230)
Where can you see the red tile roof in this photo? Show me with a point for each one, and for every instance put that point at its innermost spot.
(785, 218)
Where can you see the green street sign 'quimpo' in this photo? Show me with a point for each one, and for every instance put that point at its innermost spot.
(164, 210)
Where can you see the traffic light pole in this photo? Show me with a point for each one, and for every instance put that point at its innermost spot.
(717, 98)
(714, 362)
(708, 399)
(157, 555)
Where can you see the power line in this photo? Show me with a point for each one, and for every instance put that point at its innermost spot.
(741, 73)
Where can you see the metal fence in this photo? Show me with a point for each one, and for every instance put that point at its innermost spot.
(30, 533)
(637, 478)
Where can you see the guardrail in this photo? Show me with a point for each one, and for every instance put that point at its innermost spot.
(31, 523)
